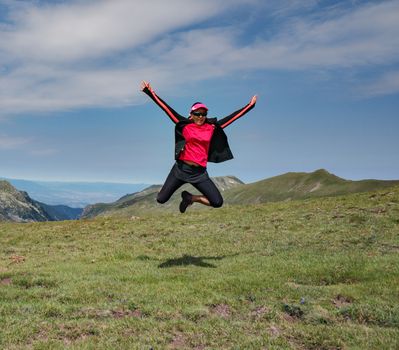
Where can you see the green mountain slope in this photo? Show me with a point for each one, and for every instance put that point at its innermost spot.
(290, 186)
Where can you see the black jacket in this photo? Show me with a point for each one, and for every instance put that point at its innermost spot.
(219, 150)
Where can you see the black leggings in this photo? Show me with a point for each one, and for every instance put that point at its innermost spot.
(207, 188)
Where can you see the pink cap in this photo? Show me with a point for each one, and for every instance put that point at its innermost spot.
(198, 106)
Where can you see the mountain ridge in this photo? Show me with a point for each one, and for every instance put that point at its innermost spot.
(18, 206)
(288, 186)
(302, 185)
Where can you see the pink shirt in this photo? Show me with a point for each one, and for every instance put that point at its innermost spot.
(198, 139)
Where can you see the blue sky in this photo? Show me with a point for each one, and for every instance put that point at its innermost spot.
(326, 73)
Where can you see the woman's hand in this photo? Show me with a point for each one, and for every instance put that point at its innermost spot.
(145, 84)
(253, 100)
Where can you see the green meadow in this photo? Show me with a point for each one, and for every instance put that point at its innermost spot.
(309, 274)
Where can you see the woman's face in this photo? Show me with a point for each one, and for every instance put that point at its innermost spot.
(199, 116)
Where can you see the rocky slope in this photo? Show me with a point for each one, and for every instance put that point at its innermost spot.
(18, 206)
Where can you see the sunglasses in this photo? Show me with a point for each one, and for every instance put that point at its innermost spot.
(198, 114)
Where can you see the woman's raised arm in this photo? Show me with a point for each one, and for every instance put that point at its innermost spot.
(171, 113)
(238, 114)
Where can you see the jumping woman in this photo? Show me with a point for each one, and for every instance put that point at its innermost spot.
(198, 140)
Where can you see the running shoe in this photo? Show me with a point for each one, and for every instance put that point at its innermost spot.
(186, 201)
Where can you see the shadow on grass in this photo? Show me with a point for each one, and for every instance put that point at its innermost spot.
(191, 260)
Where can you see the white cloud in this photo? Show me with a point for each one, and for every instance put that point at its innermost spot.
(10, 143)
(25, 145)
(387, 84)
(84, 30)
(367, 36)
(95, 53)
(43, 152)
(58, 56)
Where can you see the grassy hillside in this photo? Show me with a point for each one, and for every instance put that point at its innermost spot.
(314, 274)
(319, 183)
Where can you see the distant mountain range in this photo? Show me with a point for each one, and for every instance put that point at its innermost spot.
(19, 206)
(289, 186)
(74, 194)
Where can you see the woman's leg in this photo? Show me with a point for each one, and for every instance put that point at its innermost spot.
(169, 187)
(211, 195)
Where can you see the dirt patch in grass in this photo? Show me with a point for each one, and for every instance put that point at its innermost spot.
(260, 311)
(342, 301)
(289, 318)
(16, 259)
(117, 313)
(126, 313)
(274, 331)
(178, 342)
(40, 336)
(6, 281)
(222, 310)
(378, 210)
